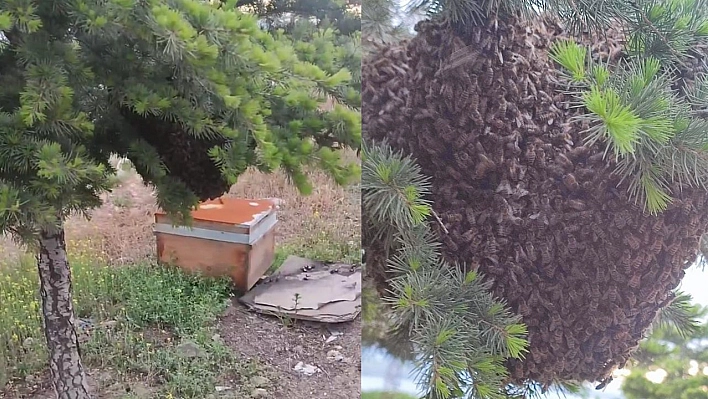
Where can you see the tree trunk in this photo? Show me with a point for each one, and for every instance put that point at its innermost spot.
(58, 315)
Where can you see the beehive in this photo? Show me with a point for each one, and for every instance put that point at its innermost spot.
(228, 237)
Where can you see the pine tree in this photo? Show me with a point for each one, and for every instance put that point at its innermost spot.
(447, 319)
(680, 354)
(331, 51)
(379, 23)
(192, 93)
(324, 33)
(338, 13)
(566, 145)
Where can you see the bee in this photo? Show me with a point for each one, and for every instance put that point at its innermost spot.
(550, 269)
(615, 276)
(468, 236)
(546, 255)
(693, 223)
(606, 381)
(531, 252)
(620, 220)
(596, 158)
(484, 166)
(603, 257)
(524, 309)
(447, 92)
(686, 207)
(603, 341)
(531, 88)
(631, 299)
(634, 281)
(502, 230)
(470, 216)
(451, 246)
(633, 242)
(578, 153)
(657, 226)
(462, 158)
(626, 263)
(657, 245)
(674, 248)
(637, 262)
(577, 205)
(557, 337)
(599, 231)
(533, 300)
(492, 246)
(571, 182)
(511, 88)
(498, 123)
(501, 112)
(572, 228)
(487, 77)
(474, 107)
(572, 243)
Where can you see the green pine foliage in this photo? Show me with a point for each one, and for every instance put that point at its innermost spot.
(655, 134)
(650, 117)
(326, 33)
(460, 335)
(331, 51)
(75, 72)
(680, 353)
(340, 14)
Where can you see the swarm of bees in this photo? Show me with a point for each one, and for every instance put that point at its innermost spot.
(185, 156)
(524, 200)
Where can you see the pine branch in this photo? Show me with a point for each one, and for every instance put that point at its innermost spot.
(459, 332)
(678, 315)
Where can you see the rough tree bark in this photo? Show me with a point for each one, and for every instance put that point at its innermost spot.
(58, 315)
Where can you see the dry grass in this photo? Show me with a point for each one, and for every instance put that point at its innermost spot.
(121, 230)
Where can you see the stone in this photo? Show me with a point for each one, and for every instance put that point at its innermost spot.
(335, 356)
(108, 324)
(306, 369)
(259, 381)
(190, 349)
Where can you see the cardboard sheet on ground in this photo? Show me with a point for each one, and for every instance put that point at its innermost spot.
(327, 293)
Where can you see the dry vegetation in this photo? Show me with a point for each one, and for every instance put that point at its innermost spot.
(122, 228)
(324, 225)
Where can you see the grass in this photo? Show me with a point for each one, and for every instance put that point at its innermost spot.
(139, 314)
(318, 247)
(137, 317)
(386, 395)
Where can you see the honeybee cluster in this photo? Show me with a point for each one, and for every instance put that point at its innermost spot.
(185, 156)
(523, 199)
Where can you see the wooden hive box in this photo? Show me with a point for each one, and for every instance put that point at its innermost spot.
(229, 237)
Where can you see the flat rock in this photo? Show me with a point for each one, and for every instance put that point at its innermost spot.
(309, 290)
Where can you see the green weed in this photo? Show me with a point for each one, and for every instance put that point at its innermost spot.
(135, 317)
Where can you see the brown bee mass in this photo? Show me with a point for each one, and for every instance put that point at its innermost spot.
(544, 217)
(185, 156)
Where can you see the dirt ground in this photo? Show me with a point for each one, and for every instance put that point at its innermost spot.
(122, 230)
(283, 347)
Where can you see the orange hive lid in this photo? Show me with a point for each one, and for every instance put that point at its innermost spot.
(235, 211)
